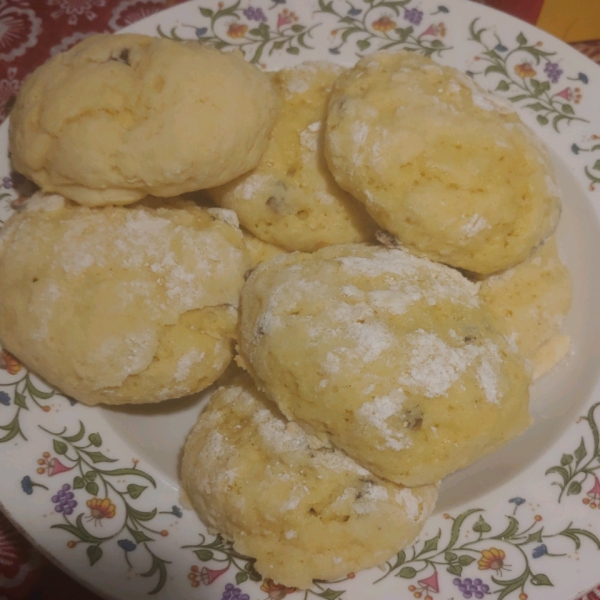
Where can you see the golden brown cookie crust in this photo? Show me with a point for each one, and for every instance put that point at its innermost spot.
(118, 117)
(303, 509)
(389, 356)
(121, 304)
(447, 168)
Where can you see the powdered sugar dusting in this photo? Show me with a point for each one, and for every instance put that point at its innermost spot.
(309, 137)
(483, 99)
(297, 86)
(419, 277)
(410, 503)
(224, 214)
(377, 412)
(474, 225)
(487, 373)
(45, 202)
(287, 437)
(250, 186)
(360, 131)
(435, 366)
(339, 462)
(370, 497)
(185, 364)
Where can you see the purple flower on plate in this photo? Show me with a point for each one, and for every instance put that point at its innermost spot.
(517, 501)
(254, 14)
(127, 545)
(471, 588)
(27, 485)
(7, 183)
(233, 593)
(4, 398)
(539, 551)
(553, 71)
(413, 15)
(64, 500)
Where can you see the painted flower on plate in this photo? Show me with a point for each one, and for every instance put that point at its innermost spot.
(127, 545)
(9, 363)
(524, 70)
(286, 17)
(254, 14)
(413, 15)
(233, 593)
(64, 500)
(492, 558)
(383, 24)
(438, 30)
(27, 485)
(553, 71)
(471, 588)
(276, 590)
(101, 508)
(237, 30)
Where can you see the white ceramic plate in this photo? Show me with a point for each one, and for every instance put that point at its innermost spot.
(97, 489)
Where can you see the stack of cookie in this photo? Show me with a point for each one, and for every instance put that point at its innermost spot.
(393, 280)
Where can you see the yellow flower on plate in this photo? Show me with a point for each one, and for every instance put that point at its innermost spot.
(524, 70)
(236, 30)
(101, 508)
(493, 558)
(383, 24)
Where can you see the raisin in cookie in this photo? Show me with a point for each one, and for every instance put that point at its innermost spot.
(303, 509)
(389, 356)
(118, 117)
(121, 304)
(290, 199)
(445, 167)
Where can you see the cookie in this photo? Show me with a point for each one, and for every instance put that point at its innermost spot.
(120, 304)
(290, 199)
(301, 508)
(389, 356)
(118, 117)
(447, 168)
(533, 299)
(258, 250)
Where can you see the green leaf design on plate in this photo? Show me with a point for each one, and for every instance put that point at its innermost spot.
(94, 554)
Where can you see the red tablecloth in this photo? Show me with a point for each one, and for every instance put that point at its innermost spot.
(30, 32)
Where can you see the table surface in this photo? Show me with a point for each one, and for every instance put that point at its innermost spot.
(31, 31)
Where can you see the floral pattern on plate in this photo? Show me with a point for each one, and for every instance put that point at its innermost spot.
(527, 74)
(248, 29)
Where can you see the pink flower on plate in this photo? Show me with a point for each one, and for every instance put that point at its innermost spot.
(593, 499)
(569, 95)
(438, 30)
(19, 30)
(74, 9)
(286, 17)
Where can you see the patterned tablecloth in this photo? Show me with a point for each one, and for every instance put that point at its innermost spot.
(31, 31)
